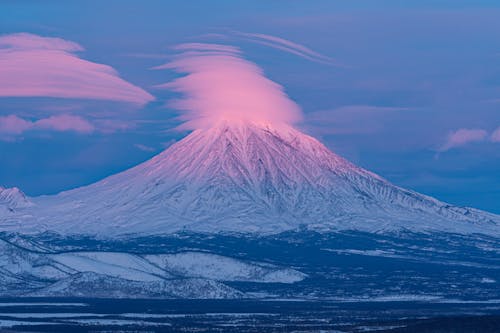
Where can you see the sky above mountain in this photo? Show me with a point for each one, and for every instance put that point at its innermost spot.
(409, 90)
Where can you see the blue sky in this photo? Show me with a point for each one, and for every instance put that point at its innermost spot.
(413, 93)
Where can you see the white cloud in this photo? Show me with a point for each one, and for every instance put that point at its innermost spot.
(463, 136)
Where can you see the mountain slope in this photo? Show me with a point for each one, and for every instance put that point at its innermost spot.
(12, 199)
(24, 272)
(245, 177)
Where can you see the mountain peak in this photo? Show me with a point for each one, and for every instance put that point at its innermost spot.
(248, 177)
(251, 152)
(13, 198)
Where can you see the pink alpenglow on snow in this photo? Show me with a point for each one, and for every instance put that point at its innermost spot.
(35, 66)
(222, 86)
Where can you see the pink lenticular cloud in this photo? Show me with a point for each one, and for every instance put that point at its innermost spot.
(25, 41)
(36, 66)
(462, 137)
(224, 86)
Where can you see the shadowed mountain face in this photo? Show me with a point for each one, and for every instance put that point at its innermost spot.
(246, 210)
(244, 177)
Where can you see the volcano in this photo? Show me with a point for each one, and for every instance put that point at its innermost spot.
(246, 210)
(242, 177)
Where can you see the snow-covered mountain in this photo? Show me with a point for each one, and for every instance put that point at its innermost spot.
(246, 210)
(244, 178)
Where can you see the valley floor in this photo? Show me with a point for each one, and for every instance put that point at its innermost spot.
(111, 315)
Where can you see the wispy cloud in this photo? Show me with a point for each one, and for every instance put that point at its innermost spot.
(14, 125)
(108, 126)
(224, 86)
(64, 123)
(462, 137)
(35, 66)
(288, 46)
(207, 47)
(144, 147)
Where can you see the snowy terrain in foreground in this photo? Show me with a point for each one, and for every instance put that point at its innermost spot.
(115, 274)
(341, 267)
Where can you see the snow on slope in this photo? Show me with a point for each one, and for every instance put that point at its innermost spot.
(113, 274)
(12, 199)
(120, 265)
(245, 178)
(211, 266)
(90, 284)
(154, 267)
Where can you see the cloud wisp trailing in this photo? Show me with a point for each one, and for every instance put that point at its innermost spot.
(287, 46)
(221, 85)
(35, 66)
(207, 47)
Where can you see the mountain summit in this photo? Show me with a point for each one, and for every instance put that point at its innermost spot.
(12, 199)
(246, 178)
